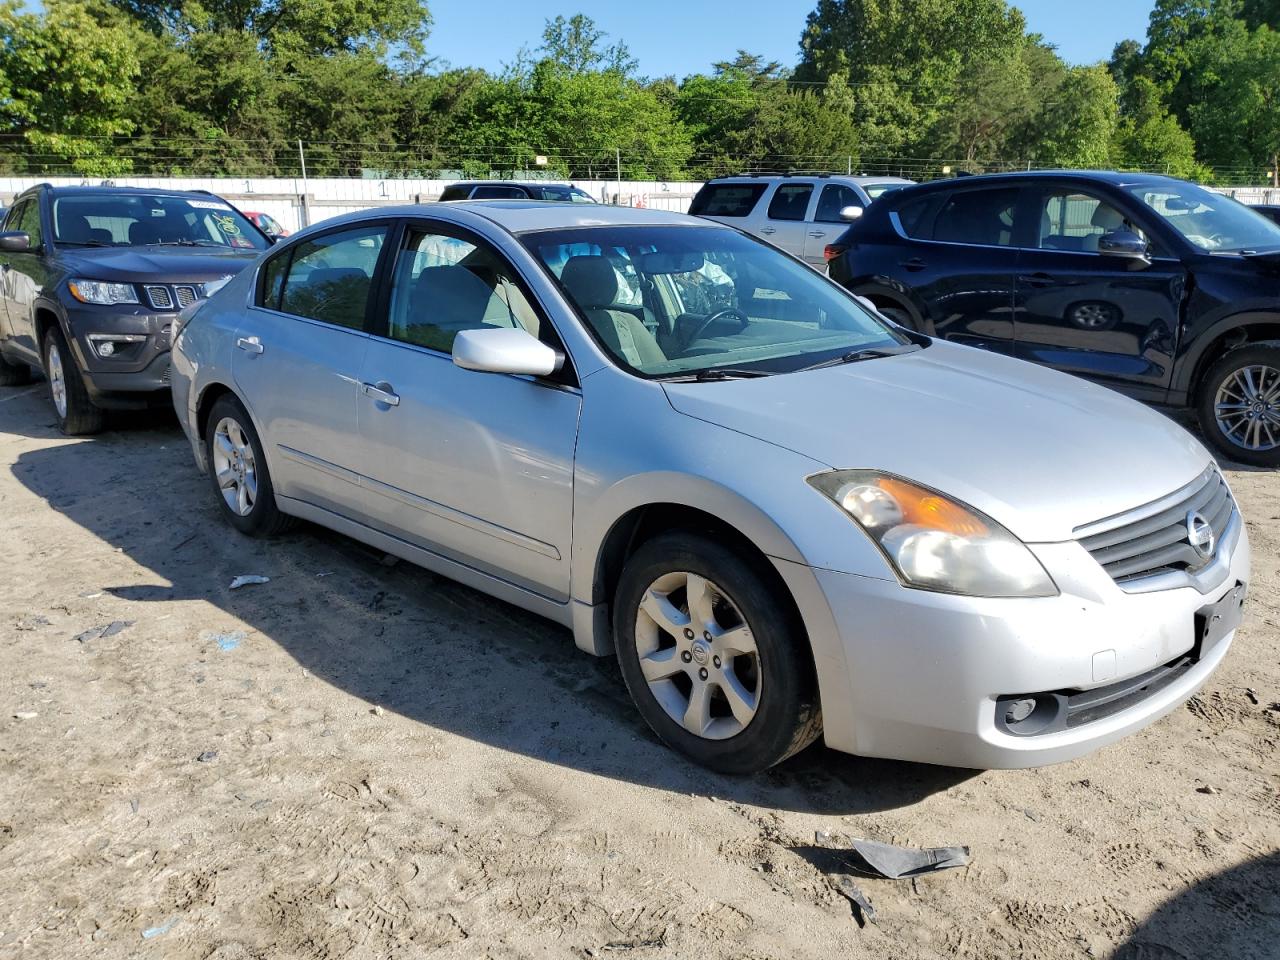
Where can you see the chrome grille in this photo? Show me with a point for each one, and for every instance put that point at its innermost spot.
(186, 296)
(160, 297)
(1155, 539)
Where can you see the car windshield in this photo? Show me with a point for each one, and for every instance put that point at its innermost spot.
(1212, 221)
(678, 300)
(569, 194)
(134, 219)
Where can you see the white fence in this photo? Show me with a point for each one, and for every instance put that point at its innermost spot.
(296, 203)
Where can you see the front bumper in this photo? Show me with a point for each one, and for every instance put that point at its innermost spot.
(138, 375)
(923, 672)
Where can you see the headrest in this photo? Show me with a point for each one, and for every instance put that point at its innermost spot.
(591, 281)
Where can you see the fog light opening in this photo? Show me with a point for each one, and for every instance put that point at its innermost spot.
(1018, 710)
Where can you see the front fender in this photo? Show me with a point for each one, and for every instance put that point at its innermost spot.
(1203, 340)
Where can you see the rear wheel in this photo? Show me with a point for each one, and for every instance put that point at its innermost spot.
(716, 662)
(238, 471)
(77, 415)
(13, 373)
(1239, 404)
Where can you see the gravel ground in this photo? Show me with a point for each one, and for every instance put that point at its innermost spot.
(361, 760)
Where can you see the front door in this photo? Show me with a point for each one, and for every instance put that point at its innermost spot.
(475, 466)
(1111, 319)
(24, 277)
(827, 224)
(297, 362)
(785, 222)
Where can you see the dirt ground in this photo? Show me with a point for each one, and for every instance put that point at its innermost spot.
(361, 760)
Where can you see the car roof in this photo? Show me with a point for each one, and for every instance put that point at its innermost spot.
(524, 216)
(510, 183)
(128, 191)
(839, 177)
(1111, 177)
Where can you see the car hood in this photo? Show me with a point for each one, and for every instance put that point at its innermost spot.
(156, 264)
(1040, 452)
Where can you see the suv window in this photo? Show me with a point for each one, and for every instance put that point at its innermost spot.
(330, 278)
(726, 199)
(498, 193)
(444, 285)
(1076, 221)
(455, 192)
(790, 201)
(29, 223)
(977, 216)
(834, 198)
(915, 216)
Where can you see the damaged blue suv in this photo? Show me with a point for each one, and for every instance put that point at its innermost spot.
(91, 283)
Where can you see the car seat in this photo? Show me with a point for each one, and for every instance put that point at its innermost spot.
(593, 284)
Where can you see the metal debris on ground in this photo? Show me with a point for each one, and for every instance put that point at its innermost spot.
(28, 623)
(207, 757)
(1252, 695)
(247, 579)
(1207, 788)
(101, 633)
(863, 911)
(884, 860)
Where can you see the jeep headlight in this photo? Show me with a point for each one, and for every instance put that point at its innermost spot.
(101, 292)
(934, 542)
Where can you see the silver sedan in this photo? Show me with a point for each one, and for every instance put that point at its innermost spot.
(786, 516)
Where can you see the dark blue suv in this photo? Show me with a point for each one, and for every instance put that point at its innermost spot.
(1153, 286)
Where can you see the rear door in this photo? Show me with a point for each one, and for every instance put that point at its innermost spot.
(475, 466)
(963, 264)
(730, 202)
(827, 224)
(297, 361)
(1107, 318)
(786, 215)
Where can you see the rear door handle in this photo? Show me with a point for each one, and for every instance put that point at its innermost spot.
(250, 345)
(914, 264)
(382, 392)
(768, 230)
(819, 234)
(1037, 280)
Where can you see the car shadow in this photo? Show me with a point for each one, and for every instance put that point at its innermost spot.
(1235, 913)
(395, 635)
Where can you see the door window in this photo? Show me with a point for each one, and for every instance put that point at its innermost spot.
(790, 201)
(444, 285)
(977, 216)
(1077, 221)
(834, 198)
(14, 215)
(330, 278)
(29, 222)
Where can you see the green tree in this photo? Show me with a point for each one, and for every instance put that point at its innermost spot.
(68, 80)
(1148, 137)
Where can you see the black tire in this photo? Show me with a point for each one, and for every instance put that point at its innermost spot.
(1221, 373)
(81, 417)
(787, 716)
(14, 373)
(264, 518)
(899, 315)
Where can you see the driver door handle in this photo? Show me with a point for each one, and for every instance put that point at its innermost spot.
(382, 392)
(819, 234)
(914, 264)
(251, 345)
(768, 229)
(1037, 280)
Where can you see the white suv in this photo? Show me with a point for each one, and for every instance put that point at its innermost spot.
(799, 214)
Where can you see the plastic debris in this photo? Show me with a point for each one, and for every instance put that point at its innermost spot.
(101, 633)
(207, 757)
(1252, 694)
(159, 931)
(229, 641)
(896, 863)
(31, 622)
(1207, 788)
(246, 579)
(26, 715)
(376, 711)
(863, 911)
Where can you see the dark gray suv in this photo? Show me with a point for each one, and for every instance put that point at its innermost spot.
(92, 280)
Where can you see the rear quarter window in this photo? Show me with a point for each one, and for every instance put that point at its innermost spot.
(916, 217)
(726, 199)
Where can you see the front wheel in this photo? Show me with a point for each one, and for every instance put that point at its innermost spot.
(1239, 405)
(716, 662)
(77, 414)
(238, 471)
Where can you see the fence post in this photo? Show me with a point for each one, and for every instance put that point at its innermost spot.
(305, 212)
(617, 159)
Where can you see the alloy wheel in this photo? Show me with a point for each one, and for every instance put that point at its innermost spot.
(1247, 407)
(234, 466)
(698, 655)
(57, 380)
(1092, 316)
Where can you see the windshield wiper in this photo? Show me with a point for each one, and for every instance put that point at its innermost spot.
(184, 243)
(712, 374)
(83, 243)
(866, 353)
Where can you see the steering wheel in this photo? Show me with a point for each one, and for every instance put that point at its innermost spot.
(700, 329)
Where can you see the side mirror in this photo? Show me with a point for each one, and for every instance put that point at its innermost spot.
(505, 350)
(15, 242)
(1124, 244)
(850, 213)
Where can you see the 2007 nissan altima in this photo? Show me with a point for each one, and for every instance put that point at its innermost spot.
(787, 516)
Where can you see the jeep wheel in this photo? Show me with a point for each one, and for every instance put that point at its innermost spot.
(1239, 405)
(77, 415)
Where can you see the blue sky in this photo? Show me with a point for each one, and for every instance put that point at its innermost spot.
(685, 36)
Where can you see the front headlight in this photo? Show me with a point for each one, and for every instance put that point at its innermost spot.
(934, 542)
(98, 291)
